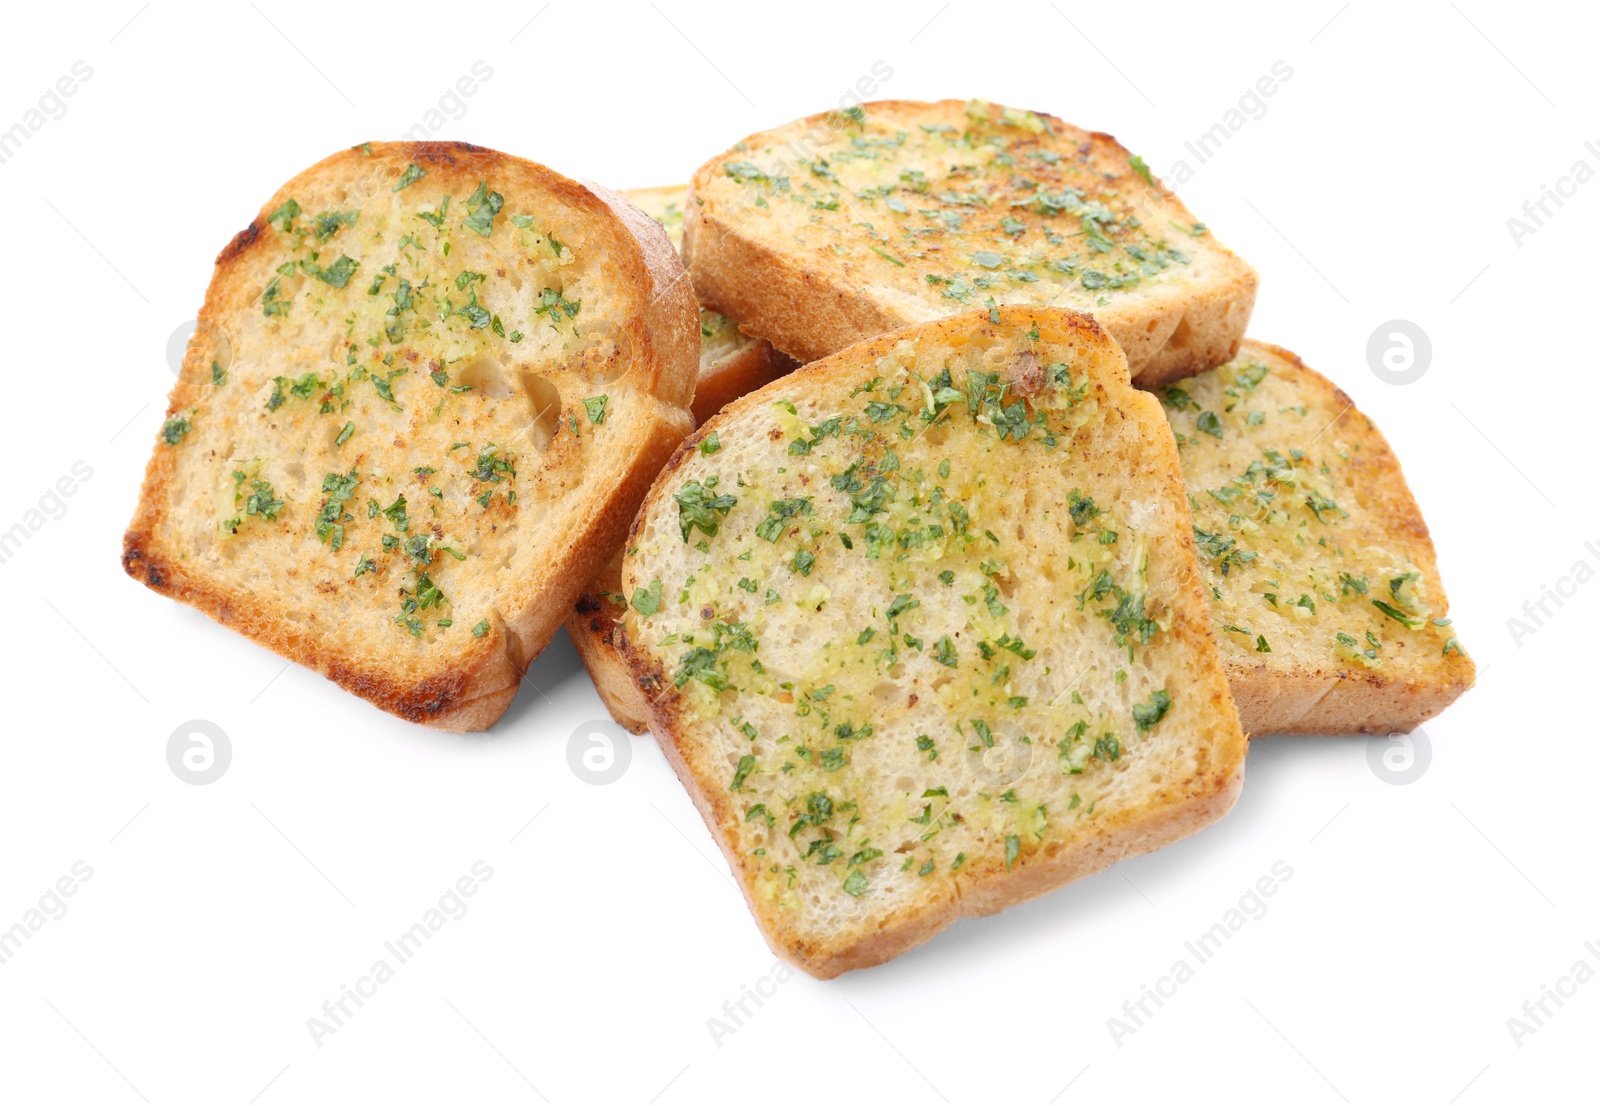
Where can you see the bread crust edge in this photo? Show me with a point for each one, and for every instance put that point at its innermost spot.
(1200, 799)
(1334, 700)
(1172, 333)
(473, 693)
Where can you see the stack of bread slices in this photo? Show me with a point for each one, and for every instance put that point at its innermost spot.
(934, 511)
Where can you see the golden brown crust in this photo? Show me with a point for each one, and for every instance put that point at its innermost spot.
(1276, 694)
(1184, 805)
(471, 687)
(1186, 332)
(798, 308)
(592, 623)
(1339, 701)
(809, 305)
(668, 344)
(729, 366)
(592, 626)
(752, 365)
(726, 372)
(1344, 699)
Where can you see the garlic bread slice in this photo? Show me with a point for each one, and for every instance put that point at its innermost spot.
(428, 387)
(847, 224)
(1330, 612)
(920, 629)
(731, 364)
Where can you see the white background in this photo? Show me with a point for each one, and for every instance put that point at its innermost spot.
(1418, 919)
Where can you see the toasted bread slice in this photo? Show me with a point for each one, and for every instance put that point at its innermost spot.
(1330, 613)
(899, 211)
(922, 632)
(594, 629)
(731, 364)
(428, 387)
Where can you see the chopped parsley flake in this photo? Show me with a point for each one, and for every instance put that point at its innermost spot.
(647, 601)
(699, 508)
(411, 176)
(1148, 713)
(482, 206)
